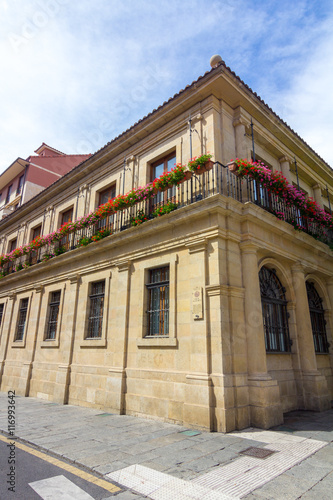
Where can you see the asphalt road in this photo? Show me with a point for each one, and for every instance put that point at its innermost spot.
(31, 473)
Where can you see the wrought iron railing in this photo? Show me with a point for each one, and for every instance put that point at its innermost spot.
(219, 180)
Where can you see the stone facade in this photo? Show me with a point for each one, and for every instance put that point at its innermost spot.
(211, 370)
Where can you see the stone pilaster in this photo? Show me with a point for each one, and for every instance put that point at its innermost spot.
(265, 406)
(5, 331)
(317, 195)
(198, 391)
(34, 325)
(285, 168)
(240, 123)
(47, 223)
(82, 201)
(116, 382)
(62, 385)
(315, 392)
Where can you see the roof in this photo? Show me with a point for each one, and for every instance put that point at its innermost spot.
(191, 86)
(46, 146)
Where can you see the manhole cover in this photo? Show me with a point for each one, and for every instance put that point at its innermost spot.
(103, 414)
(257, 452)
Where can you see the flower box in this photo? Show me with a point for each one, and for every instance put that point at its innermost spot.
(187, 177)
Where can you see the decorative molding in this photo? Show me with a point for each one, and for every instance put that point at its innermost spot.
(39, 288)
(196, 246)
(226, 290)
(117, 370)
(199, 376)
(248, 246)
(74, 278)
(285, 159)
(123, 265)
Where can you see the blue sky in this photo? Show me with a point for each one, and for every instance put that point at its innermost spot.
(76, 73)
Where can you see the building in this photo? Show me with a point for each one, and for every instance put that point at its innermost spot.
(24, 179)
(217, 315)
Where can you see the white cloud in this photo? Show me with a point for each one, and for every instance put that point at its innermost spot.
(76, 74)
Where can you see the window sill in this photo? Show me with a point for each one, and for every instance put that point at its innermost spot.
(97, 342)
(278, 352)
(18, 343)
(49, 343)
(157, 342)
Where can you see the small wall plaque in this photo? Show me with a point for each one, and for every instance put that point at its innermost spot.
(197, 309)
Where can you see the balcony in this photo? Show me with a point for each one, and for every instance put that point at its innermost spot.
(219, 180)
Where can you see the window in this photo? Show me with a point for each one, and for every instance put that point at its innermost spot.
(8, 193)
(20, 185)
(157, 169)
(33, 257)
(53, 316)
(1, 313)
(274, 311)
(261, 195)
(104, 197)
(318, 322)
(95, 318)
(158, 302)
(66, 217)
(22, 319)
(12, 245)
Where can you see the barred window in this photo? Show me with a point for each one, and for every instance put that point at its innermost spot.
(1, 313)
(158, 302)
(53, 316)
(22, 319)
(274, 311)
(95, 319)
(318, 322)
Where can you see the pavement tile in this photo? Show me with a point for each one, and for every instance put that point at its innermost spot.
(224, 456)
(320, 491)
(110, 443)
(282, 487)
(106, 468)
(308, 473)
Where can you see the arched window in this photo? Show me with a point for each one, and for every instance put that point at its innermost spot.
(318, 322)
(274, 311)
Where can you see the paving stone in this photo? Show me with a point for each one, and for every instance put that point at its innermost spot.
(223, 456)
(94, 459)
(106, 468)
(202, 464)
(308, 472)
(320, 491)
(126, 495)
(283, 487)
(155, 466)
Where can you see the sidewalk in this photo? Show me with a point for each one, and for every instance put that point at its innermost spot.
(165, 461)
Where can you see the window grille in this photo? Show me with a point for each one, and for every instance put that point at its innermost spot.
(53, 316)
(95, 319)
(158, 302)
(318, 322)
(22, 319)
(274, 311)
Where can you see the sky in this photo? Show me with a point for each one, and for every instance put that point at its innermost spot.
(76, 73)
